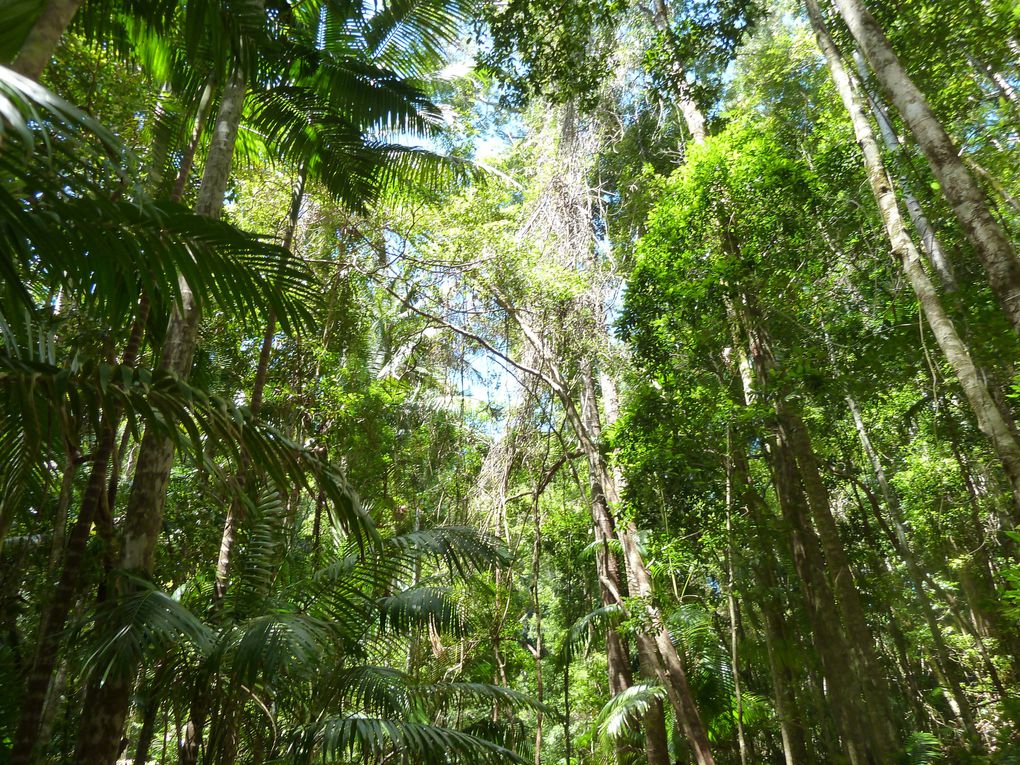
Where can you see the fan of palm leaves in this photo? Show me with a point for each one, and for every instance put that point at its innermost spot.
(301, 657)
(623, 712)
(41, 404)
(70, 219)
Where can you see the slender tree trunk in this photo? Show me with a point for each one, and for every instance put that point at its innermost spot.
(817, 591)
(585, 424)
(188, 159)
(568, 743)
(968, 201)
(861, 639)
(38, 48)
(671, 670)
(147, 734)
(71, 463)
(670, 667)
(989, 419)
(930, 242)
(536, 572)
(611, 592)
(54, 620)
(1002, 85)
(994, 182)
(235, 511)
(52, 706)
(731, 605)
(948, 666)
(108, 700)
(656, 740)
(791, 725)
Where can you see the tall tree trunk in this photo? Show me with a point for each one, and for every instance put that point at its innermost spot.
(744, 744)
(147, 734)
(611, 591)
(791, 725)
(817, 592)
(38, 48)
(536, 572)
(669, 667)
(948, 667)
(694, 118)
(51, 627)
(862, 642)
(990, 240)
(930, 242)
(235, 511)
(989, 419)
(844, 690)
(654, 720)
(567, 741)
(108, 700)
(586, 427)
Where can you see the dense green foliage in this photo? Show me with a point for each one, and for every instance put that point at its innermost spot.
(556, 382)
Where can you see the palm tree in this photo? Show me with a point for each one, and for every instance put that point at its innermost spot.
(326, 114)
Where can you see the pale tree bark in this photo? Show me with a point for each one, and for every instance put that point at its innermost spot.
(1000, 81)
(669, 666)
(694, 118)
(100, 732)
(194, 730)
(38, 48)
(656, 746)
(990, 240)
(930, 241)
(989, 419)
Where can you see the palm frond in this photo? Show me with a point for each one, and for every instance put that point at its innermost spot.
(410, 36)
(274, 646)
(579, 631)
(373, 740)
(142, 621)
(261, 551)
(612, 545)
(462, 548)
(420, 607)
(624, 711)
(40, 400)
(382, 691)
(69, 218)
